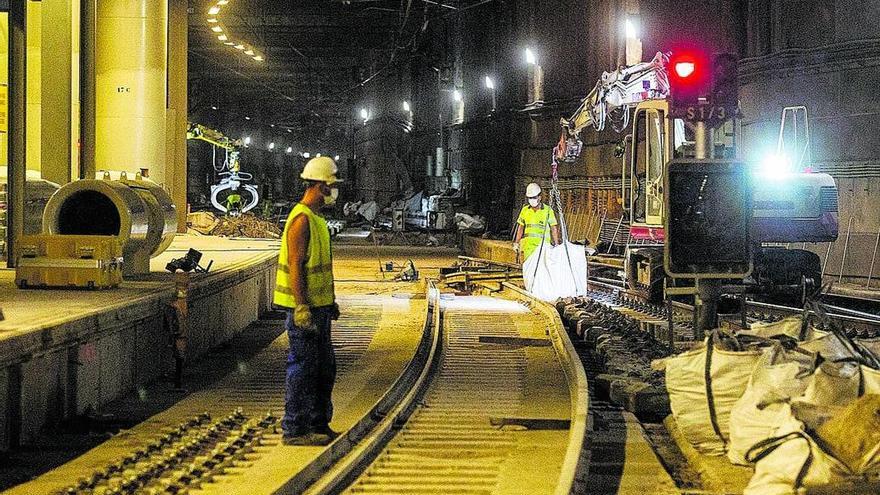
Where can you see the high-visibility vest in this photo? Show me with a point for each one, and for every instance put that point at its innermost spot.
(536, 225)
(318, 268)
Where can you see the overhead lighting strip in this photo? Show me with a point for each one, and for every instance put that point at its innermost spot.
(218, 29)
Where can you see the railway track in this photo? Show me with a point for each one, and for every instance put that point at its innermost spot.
(490, 382)
(479, 411)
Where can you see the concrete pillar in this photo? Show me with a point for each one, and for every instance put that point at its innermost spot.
(34, 85)
(17, 121)
(176, 172)
(130, 86)
(57, 89)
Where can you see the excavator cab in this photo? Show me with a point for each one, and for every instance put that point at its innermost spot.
(656, 139)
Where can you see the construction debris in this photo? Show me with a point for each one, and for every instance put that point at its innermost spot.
(246, 225)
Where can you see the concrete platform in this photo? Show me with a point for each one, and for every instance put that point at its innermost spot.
(64, 352)
(375, 338)
(490, 249)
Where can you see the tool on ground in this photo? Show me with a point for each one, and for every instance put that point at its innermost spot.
(188, 263)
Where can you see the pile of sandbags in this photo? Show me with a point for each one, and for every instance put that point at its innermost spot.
(781, 397)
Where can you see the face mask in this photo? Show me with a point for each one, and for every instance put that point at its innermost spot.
(534, 202)
(331, 199)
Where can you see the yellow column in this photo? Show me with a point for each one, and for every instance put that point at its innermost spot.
(34, 84)
(56, 98)
(130, 86)
(177, 107)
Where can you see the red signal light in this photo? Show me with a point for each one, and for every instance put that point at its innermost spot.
(684, 69)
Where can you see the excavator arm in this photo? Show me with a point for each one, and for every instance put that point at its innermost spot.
(216, 138)
(611, 99)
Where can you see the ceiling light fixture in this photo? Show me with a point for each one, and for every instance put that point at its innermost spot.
(212, 20)
(214, 10)
(289, 149)
(249, 53)
(222, 37)
(239, 47)
(229, 43)
(258, 58)
(217, 29)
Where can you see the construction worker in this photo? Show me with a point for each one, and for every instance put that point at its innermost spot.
(535, 220)
(304, 286)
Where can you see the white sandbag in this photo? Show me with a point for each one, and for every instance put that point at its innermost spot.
(554, 272)
(791, 460)
(778, 377)
(705, 422)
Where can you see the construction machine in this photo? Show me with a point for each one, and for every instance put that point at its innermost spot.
(231, 184)
(683, 105)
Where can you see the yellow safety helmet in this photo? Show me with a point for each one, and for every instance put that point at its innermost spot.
(321, 169)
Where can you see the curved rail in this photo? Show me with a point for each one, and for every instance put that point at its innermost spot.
(574, 465)
(335, 466)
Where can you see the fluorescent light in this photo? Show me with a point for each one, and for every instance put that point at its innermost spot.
(530, 57)
(456, 95)
(289, 149)
(222, 37)
(214, 10)
(272, 146)
(239, 47)
(217, 29)
(490, 83)
(249, 53)
(632, 32)
(406, 107)
(247, 118)
(258, 58)
(222, 2)
(212, 20)
(228, 43)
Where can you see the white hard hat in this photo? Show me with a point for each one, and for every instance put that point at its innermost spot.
(321, 169)
(533, 190)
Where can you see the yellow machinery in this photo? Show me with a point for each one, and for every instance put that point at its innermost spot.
(230, 171)
(68, 261)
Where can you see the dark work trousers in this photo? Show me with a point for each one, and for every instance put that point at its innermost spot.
(311, 371)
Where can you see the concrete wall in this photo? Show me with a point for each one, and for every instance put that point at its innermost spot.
(79, 366)
(823, 54)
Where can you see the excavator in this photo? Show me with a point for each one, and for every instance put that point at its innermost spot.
(791, 204)
(230, 172)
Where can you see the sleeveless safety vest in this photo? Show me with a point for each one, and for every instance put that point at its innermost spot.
(318, 268)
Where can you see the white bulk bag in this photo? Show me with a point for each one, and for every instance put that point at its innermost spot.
(554, 272)
(701, 397)
(777, 377)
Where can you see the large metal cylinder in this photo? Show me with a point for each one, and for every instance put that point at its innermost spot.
(139, 212)
(130, 86)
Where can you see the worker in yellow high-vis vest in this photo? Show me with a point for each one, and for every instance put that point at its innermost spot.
(304, 286)
(536, 223)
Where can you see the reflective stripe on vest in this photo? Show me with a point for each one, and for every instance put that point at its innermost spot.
(318, 267)
(536, 223)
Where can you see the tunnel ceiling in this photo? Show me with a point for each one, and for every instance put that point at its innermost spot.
(317, 55)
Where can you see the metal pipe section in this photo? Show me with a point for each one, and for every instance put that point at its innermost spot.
(138, 212)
